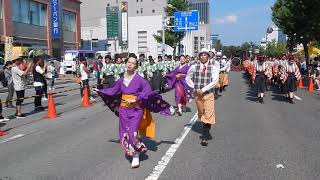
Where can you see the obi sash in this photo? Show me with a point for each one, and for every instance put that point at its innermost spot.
(147, 123)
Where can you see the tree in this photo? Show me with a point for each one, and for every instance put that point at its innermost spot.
(317, 44)
(276, 49)
(299, 19)
(231, 51)
(218, 45)
(246, 49)
(172, 38)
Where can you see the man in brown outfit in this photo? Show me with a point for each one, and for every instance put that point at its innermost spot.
(202, 77)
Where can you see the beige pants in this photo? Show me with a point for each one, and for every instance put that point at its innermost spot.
(206, 112)
(226, 81)
(222, 79)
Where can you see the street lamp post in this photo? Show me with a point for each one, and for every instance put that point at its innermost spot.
(164, 26)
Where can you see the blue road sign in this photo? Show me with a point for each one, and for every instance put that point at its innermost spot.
(55, 18)
(186, 21)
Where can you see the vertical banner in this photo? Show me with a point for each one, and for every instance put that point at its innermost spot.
(8, 48)
(124, 21)
(112, 22)
(55, 19)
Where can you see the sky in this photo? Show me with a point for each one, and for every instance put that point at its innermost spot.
(238, 21)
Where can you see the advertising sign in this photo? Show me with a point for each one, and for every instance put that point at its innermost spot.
(124, 21)
(55, 19)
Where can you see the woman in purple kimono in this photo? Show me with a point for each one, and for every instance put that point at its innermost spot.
(177, 79)
(132, 99)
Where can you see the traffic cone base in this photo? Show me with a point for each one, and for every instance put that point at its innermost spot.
(52, 114)
(3, 133)
(86, 105)
(51, 117)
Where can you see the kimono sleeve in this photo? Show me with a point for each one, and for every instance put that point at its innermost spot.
(146, 90)
(114, 90)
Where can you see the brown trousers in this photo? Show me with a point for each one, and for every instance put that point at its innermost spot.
(223, 79)
(206, 112)
(226, 77)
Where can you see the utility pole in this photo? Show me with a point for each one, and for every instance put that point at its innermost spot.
(163, 35)
(186, 21)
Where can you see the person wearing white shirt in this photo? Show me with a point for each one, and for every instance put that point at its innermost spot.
(227, 73)
(217, 86)
(51, 75)
(202, 77)
(84, 73)
(39, 81)
(222, 75)
(19, 78)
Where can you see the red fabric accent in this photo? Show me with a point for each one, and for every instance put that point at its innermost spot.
(204, 69)
(183, 100)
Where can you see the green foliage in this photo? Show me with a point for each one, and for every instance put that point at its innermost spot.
(276, 49)
(246, 49)
(173, 38)
(299, 19)
(218, 45)
(317, 44)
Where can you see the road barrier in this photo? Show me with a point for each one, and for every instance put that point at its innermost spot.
(52, 114)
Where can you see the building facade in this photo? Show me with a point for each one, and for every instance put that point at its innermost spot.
(94, 25)
(145, 19)
(276, 35)
(28, 23)
(136, 28)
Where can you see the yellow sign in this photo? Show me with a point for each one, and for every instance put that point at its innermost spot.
(8, 48)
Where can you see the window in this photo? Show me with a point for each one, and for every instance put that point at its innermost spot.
(95, 43)
(0, 9)
(153, 11)
(24, 11)
(142, 42)
(196, 44)
(141, 10)
(16, 10)
(30, 12)
(69, 19)
(137, 12)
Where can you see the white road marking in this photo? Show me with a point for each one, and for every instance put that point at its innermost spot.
(280, 166)
(297, 97)
(162, 164)
(12, 138)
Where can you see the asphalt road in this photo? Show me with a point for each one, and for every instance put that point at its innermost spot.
(249, 141)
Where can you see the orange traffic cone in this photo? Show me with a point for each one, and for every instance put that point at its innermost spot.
(310, 86)
(300, 85)
(85, 98)
(52, 114)
(3, 133)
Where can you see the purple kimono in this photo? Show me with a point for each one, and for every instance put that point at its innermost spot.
(130, 117)
(182, 90)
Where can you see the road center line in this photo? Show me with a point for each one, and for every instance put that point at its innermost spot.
(12, 138)
(162, 164)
